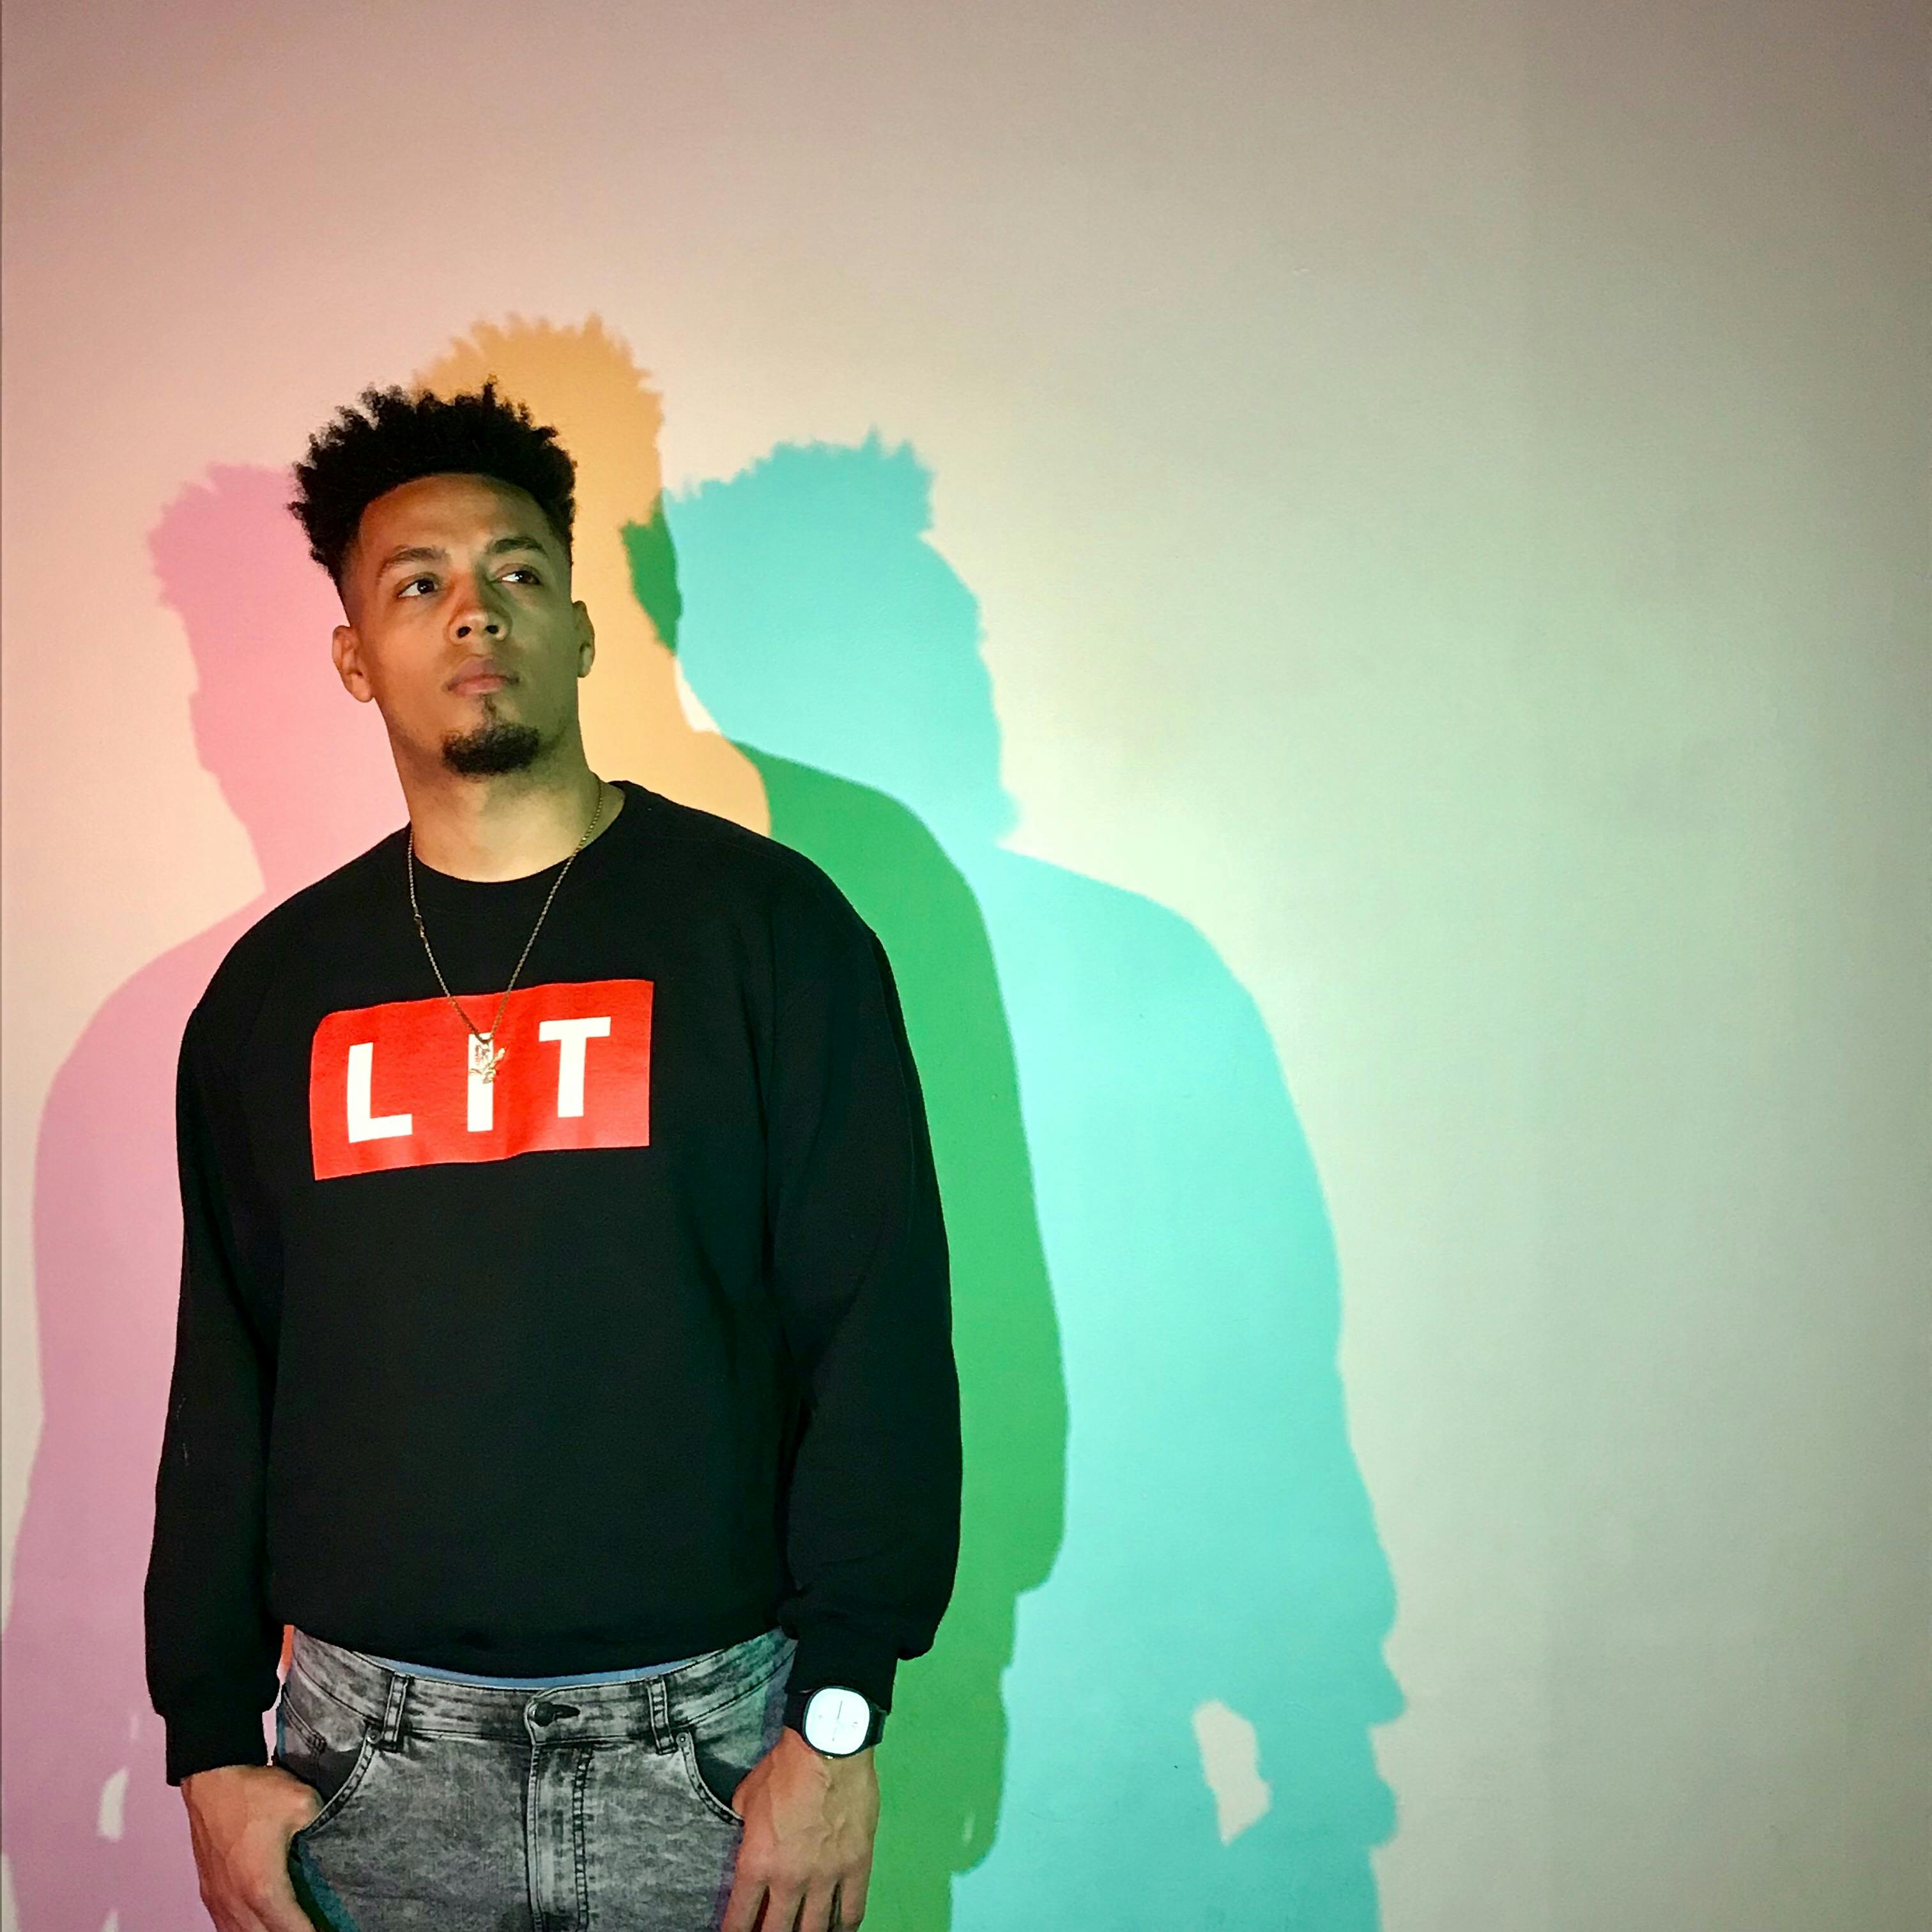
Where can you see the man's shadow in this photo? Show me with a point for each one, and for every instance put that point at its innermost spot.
(91, 1827)
(1191, 1690)
(1220, 1591)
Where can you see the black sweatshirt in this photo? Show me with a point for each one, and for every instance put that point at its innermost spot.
(626, 1354)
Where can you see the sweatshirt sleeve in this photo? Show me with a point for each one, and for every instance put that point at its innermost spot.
(212, 1648)
(858, 1258)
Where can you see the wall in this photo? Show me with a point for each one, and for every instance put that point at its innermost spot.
(1384, 550)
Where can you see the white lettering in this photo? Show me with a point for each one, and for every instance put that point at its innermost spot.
(571, 1035)
(362, 1125)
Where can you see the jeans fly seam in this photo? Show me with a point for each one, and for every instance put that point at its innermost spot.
(579, 1851)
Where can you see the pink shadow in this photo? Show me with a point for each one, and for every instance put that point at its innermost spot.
(308, 772)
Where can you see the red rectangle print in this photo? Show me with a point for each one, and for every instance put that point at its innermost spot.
(392, 1086)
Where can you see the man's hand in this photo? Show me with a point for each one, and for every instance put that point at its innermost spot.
(809, 1821)
(241, 1818)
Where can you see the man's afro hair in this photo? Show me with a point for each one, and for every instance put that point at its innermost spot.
(401, 435)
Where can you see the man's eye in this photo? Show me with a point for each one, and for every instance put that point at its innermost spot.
(524, 570)
(406, 588)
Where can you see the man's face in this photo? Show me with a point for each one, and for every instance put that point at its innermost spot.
(451, 576)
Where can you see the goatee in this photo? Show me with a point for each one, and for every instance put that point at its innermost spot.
(501, 746)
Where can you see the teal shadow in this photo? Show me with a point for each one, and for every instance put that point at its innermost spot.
(1217, 1567)
(941, 1764)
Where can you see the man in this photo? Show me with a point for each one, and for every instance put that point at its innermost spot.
(564, 1346)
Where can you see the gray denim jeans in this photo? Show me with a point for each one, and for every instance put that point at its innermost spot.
(597, 1807)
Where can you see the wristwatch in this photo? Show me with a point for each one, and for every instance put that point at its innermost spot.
(835, 1720)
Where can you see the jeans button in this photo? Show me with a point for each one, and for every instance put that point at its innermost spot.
(543, 1714)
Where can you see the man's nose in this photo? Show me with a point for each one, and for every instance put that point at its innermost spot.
(473, 617)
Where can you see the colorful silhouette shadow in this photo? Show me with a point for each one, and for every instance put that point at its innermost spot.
(1220, 1587)
(1192, 1689)
(91, 1827)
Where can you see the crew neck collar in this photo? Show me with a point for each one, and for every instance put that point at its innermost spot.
(591, 856)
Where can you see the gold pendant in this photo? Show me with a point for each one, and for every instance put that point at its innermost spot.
(482, 1059)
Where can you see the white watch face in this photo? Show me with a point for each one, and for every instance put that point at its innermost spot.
(836, 1720)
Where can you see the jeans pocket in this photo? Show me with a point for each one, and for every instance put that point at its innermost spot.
(714, 1780)
(323, 1742)
(720, 1746)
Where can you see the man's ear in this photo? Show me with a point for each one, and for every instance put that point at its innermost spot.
(587, 640)
(345, 648)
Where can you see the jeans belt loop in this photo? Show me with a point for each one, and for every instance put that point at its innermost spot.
(392, 1737)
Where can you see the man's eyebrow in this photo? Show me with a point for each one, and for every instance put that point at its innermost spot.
(433, 554)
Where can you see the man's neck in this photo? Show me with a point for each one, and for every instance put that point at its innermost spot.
(508, 827)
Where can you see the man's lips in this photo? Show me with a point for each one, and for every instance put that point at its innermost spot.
(480, 680)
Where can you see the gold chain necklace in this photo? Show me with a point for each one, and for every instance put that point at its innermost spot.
(484, 1053)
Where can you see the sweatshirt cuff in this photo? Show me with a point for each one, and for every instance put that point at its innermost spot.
(831, 1652)
(205, 1739)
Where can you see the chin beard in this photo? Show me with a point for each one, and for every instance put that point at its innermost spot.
(501, 746)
